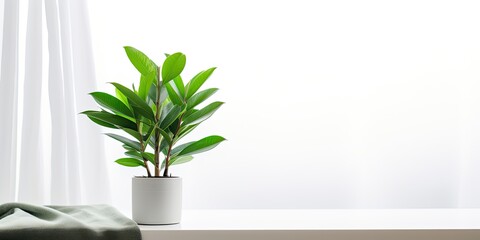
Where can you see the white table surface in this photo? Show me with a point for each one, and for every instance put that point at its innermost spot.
(338, 224)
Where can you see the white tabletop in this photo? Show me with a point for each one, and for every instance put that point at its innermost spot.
(318, 222)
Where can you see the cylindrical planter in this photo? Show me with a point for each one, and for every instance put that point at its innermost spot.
(156, 200)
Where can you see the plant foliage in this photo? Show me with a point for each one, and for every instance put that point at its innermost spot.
(157, 115)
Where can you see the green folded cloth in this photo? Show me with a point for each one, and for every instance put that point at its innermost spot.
(94, 222)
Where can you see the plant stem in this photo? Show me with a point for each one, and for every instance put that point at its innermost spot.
(157, 119)
(145, 161)
(146, 166)
(167, 159)
(165, 172)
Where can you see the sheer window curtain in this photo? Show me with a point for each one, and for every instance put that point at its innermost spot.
(49, 153)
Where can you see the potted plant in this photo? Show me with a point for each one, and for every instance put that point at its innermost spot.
(155, 117)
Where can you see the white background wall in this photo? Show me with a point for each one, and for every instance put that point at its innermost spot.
(329, 104)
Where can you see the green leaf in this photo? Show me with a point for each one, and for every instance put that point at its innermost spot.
(134, 154)
(172, 115)
(179, 160)
(146, 82)
(112, 103)
(130, 162)
(165, 135)
(164, 146)
(128, 148)
(184, 131)
(180, 86)
(121, 97)
(152, 94)
(167, 106)
(173, 127)
(139, 105)
(151, 142)
(200, 97)
(141, 156)
(144, 128)
(197, 81)
(189, 112)
(173, 66)
(141, 62)
(126, 141)
(163, 94)
(110, 119)
(133, 133)
(176, 150)
(149, 156)
(149, 133)
(202, 145)
(172, 94)
(202, 114)
(102, 123)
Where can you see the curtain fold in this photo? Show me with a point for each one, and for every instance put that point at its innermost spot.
(31, 184)
(75, 170)
(60, 179)
(8, 101)
(91, 149)
(73, 167)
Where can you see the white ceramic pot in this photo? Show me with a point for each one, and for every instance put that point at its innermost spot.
(156, 200)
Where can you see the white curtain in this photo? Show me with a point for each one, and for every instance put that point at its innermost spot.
(59, 158)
